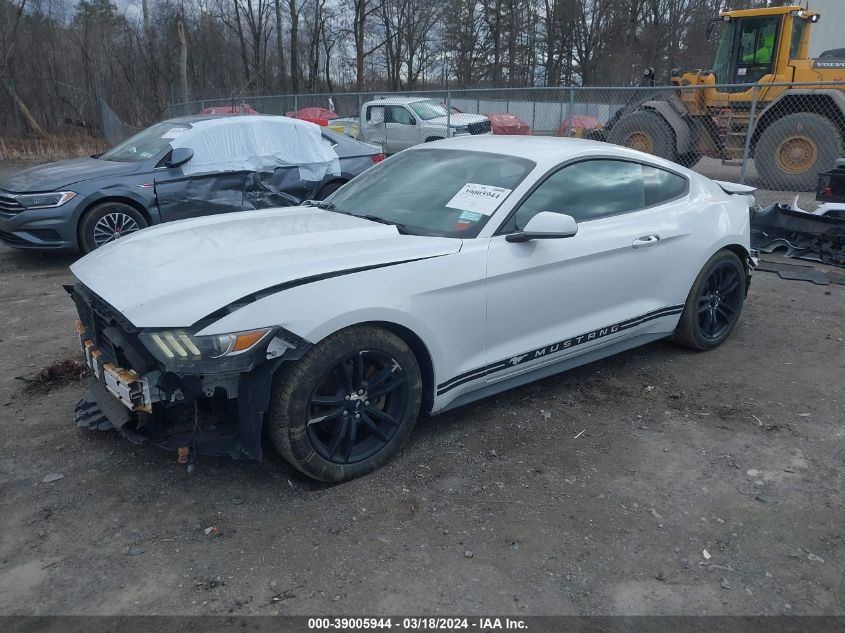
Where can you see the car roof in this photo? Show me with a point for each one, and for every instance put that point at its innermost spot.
(547, 149)
(399, 100)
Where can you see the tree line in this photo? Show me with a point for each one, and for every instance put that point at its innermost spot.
(57, 56)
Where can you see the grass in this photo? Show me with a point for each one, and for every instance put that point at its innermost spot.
(50, 148)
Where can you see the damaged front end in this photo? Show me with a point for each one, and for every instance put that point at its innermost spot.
(198, 395)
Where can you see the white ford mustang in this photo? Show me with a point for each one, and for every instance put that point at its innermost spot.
(448, 272)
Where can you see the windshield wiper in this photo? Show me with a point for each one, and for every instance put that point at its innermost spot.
(374, 218)
(328, 206)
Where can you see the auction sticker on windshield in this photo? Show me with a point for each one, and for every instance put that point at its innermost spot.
(173, 132)
(478, 198)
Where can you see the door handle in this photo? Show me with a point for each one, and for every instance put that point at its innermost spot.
(645, 240)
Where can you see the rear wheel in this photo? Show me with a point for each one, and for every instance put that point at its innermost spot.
(714, 303)
(328, 190)
(347, 405)
(645, 131)
(106, 222)
(792, 151)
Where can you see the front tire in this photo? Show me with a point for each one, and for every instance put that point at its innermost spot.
(347, 406)
(106, 222)
(714, 303)
(792, 151)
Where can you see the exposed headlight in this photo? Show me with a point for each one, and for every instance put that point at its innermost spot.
(180, 349)
(45, 200)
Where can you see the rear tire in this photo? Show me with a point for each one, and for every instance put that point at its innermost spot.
(793, 150)
(106, 222)
(347, 406)
(328, 190)
(714, 303)
(645, 131)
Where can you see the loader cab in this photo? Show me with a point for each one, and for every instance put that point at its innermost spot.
(760, 44)
(746, 50)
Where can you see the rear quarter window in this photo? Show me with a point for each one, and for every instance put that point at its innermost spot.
(661, 185)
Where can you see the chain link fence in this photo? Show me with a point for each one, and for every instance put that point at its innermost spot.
(775, 137)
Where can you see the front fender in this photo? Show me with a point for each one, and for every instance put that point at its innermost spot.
(439, 299)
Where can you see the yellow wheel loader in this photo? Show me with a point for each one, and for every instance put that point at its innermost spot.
(797, 128)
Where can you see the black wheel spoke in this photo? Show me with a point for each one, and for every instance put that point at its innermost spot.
(358, 370)
(331, 415)
(328, 401)
(374, 427)
(380, 377)
(343, 369)
(381, 415)
(350, 443)
(726, 311)
(386, 389)
(703, 304)
(339, 434)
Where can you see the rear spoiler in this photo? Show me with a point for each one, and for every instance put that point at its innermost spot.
(735, 188)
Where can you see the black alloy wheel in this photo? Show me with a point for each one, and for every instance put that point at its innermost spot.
(719, 301)
(357, 407)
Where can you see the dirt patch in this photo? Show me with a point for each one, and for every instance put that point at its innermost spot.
(57, 374)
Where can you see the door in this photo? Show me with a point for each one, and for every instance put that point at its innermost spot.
(617, 277)
(373, 126)
(180, 196)
(402, 128)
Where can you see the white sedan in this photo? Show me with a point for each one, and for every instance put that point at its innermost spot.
(449, 272)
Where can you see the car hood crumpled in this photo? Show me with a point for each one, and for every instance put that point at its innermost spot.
(177, 273)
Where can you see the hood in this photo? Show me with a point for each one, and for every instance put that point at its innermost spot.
(177, 273)
(64, 173)
(458, 118)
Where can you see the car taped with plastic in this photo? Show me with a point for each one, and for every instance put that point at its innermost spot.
(446, 273)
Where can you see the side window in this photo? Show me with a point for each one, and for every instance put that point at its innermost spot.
(398, 114)
(587, 190)
(661, 185)
(375, 114)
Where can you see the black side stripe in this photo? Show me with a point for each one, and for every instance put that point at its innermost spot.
(554, 348)
(255, 296)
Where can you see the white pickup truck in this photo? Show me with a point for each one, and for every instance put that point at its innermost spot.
(397, 123)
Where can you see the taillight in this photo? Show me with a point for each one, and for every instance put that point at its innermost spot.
(377, 158)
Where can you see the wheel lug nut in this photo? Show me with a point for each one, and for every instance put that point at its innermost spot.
(366, 403)
(357, 416)
(360, 392)
(345, 412)
(347, 397)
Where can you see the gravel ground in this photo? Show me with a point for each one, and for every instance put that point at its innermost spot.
(593, 492)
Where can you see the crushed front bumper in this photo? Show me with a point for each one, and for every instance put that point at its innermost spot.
(124, 400)
(131, 390)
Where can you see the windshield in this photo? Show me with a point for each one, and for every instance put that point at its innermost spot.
(442, 192)
(147, 144)
(428, 109)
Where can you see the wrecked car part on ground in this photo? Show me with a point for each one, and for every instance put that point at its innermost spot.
(327, 329)
(813, 236)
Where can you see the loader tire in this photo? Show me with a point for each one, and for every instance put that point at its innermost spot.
(645, 131)
(793, 150)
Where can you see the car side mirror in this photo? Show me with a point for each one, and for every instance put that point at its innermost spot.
(180, 156)
(546, 226)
